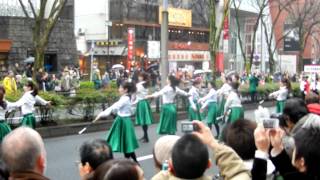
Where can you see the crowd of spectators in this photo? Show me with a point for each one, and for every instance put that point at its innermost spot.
(246, 151)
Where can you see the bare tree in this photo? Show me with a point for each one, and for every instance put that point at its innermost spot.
(261, 6)
(272, 43)
(215, 30)
(236, 7)
(305, 18)
(43, 26)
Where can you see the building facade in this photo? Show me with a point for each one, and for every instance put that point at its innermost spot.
(16, 39)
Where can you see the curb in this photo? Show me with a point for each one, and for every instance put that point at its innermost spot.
(103, 125)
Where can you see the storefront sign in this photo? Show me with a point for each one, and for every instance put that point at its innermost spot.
(291, 40)
(107, 43)
(154, 49)
(188, 55)
(312, 68)
(131, 40)
(177, 17)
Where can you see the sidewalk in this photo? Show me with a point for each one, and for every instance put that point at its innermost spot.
(71, 129)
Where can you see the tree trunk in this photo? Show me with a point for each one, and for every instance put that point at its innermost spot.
(212, 38)
(213, 63)
(271, 64)
(38, 61)
(300, 62)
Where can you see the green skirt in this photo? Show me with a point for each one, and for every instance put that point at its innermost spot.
(235, 114)
(168, 119)
(212, 113)
(220, 110)
(194, 115)
(4, 130)
(144, 113)
(280, 106)
(121, 136)
(29, 120)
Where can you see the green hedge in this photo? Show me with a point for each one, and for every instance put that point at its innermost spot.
(268, 88)
(88, 95)
(86, 85)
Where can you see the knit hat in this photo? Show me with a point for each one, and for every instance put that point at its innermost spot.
(163, 147)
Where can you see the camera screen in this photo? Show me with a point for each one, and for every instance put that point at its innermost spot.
(187, 127)
(270, 123)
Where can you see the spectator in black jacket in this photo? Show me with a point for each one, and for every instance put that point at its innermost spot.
(306, 155)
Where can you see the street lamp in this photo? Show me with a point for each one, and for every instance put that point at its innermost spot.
(164, 68)
(108, 24)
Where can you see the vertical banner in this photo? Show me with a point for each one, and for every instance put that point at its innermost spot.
(226, 29)
(219, 61)
(226, 35)
(131, 40)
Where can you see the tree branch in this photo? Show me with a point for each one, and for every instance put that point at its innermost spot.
(32, 9)
(24, 9)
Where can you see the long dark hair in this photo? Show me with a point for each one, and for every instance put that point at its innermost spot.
(33, 87)
(174, 82)
(3, 103)
(287, 83)
(146, 78)
(130, 87)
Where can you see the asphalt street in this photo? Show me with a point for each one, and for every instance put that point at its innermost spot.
(63, 153)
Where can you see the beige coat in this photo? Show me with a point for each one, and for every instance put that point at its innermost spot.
(230, 164)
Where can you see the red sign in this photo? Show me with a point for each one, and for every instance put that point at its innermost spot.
(131, 40)
(226, 29)
(219, 61)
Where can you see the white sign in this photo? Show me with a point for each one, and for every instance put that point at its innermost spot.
(175, 55)
(225, 45)
(288, 63)
(154, 49)
(312, 68)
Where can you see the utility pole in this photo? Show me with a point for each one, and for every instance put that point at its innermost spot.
(164, 67)
(91, 60)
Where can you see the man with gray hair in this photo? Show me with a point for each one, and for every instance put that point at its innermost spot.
(24, 153)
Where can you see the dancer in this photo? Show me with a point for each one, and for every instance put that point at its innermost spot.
(27, 102)
(282, 94)
(210, 101)
(4, 107)
(122, 137)
(143, 112)
(194, 107)
(168, 116)
(222, 93)
(233, 104)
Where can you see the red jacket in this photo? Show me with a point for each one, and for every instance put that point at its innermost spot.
(314, 108)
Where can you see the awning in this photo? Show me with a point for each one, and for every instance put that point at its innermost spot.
(5, 45)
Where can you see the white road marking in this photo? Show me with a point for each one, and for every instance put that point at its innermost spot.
(142, 158)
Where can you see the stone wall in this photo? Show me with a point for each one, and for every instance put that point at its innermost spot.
(62, 40)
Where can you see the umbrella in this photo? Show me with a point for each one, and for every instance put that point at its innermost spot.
(198, 71)
(29, 60)
(153, 66)
(117, 66)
